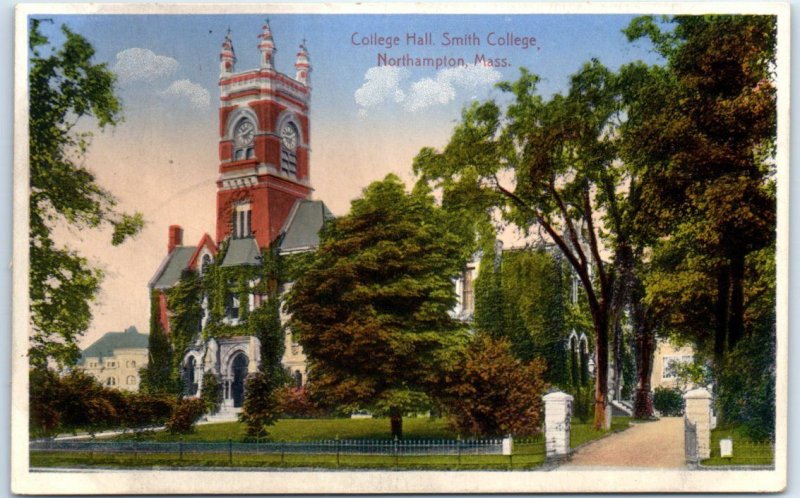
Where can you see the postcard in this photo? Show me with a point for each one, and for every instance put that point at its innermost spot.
(400, 248)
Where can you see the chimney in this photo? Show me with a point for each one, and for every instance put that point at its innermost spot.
(175, 238)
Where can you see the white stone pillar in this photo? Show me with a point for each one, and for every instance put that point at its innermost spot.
(508, 445)
(557, 414)
(698, 412)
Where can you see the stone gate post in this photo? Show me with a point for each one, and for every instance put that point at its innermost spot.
(557, 414)
(698, 412)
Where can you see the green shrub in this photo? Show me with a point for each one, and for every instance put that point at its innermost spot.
(296, 403)
(261, 405)
(583, 403)
(746, 394)
(668, 401)
(186, 414)
(212, 392)
(147, 411)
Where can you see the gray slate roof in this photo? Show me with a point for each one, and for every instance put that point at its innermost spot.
(242, 252)
(111, 341)
(172, 270)
(301, 232)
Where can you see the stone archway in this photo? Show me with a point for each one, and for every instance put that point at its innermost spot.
(238, 373)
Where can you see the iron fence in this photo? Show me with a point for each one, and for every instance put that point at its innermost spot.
(322, 447)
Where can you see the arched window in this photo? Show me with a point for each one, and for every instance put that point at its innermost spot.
(133, 364)
(243, 138)
(111, 381)
(289, 139)
(584, 355)
(574, 361)
(298, 378)
(206, 263)
(131, 380)
(190, 382)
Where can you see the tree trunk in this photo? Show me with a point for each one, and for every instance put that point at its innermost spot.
(736, 312)
(601, 370)
(396, 418)
(721, 316)
(645, 348)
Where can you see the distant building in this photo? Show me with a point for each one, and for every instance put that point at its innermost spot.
(665, 358)
(115, 359)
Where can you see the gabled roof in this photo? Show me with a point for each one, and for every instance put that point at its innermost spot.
(172, 267)
(206, 241)
(111, 341)
(242, 252)
(301, 231)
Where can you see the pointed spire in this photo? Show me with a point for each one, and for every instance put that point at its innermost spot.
(303, 65)
(267, 47)
(227, 56)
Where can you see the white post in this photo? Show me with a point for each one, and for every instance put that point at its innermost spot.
(508, 445)
(557, 414)
(698, 412)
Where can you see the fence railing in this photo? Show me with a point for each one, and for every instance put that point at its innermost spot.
(323, 447)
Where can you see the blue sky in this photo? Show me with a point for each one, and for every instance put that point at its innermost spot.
(366, 121)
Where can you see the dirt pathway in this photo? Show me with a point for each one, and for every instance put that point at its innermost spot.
(649, 444)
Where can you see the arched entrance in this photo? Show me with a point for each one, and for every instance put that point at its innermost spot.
(239, 372)
(189, 377)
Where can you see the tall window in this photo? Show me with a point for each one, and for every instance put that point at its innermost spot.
(289, 140)
(233, 306)
(131, 380)
(242, 226)
(111, 381)
(468, 302)
(206, 263)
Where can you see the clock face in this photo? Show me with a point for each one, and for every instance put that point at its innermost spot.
(244, 133)
(289, 136)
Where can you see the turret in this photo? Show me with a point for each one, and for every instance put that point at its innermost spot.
(267, 47)
(303, 65)
(227, 57)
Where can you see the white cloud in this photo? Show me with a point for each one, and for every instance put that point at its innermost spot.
(197, 96)
(381, 83)
(443, 89)
(141, 64)
(384, 84)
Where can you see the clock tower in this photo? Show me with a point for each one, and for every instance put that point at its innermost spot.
(264, 143)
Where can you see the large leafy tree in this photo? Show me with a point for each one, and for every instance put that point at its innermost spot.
(548, 167)
(371, 311)
(65, 87)
(705, 155)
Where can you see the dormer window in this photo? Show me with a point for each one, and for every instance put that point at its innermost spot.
(242, 226)
(205, 264)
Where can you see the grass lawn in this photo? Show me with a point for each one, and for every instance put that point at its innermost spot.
(276, 460)
(745, 450)
(583, 433)
(527, 453)
(313, 429)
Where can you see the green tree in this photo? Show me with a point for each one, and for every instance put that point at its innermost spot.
(66, 86)
(708, 171)
(491, 393)
(548, 167)
(371, 311)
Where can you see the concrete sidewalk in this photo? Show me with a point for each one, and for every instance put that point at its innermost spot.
(645, 445)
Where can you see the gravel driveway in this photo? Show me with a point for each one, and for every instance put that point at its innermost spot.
(650, 444)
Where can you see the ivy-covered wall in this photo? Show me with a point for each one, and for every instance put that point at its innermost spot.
(524, 295)
(216, 285)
